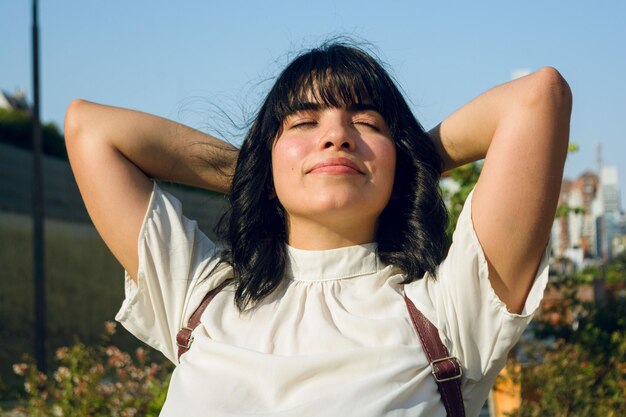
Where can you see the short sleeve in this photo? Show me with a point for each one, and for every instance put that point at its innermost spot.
(474, 323)
(174, 256)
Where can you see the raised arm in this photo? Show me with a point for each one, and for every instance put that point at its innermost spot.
(114, 152)
(521, 128)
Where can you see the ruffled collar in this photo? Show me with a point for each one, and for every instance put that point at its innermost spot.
(332, 264)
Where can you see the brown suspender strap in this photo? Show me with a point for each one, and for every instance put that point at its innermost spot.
(184, 339)
(446, 370)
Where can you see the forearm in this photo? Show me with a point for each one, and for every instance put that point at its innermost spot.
(161, 148)
(465, 135)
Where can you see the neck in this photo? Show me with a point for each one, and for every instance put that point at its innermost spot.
(308, 234)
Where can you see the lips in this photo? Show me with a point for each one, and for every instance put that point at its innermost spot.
(336, 165)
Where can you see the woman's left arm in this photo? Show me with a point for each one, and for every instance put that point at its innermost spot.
(521, 128)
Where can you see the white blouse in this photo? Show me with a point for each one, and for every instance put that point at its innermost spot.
(335, 340)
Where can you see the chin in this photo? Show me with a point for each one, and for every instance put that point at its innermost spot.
(335, 209)
(333, 202)
(336, 201)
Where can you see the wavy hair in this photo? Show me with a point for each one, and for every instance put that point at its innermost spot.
(411, 228)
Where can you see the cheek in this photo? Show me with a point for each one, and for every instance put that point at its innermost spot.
(287, 159)
(387, 164)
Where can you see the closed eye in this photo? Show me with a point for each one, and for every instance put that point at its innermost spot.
(301, 124)
(368, 124)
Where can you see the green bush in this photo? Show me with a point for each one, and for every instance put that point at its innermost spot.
(571, 383)
(84, 288)
(96, 382)
(583, 373)
(16, 129)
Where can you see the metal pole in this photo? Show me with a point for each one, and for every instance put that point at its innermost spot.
(38, 209)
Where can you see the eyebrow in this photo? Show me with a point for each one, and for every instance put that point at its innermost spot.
(311, 106)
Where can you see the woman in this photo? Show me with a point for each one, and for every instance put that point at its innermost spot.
(335, 215)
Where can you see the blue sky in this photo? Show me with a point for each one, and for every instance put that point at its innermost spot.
(184, 60)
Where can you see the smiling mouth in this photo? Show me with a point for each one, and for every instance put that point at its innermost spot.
(336, 166)
(335, 169)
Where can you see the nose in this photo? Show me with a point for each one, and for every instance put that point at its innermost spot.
(338, 136)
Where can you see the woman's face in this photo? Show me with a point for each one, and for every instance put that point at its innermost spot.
(334, 165)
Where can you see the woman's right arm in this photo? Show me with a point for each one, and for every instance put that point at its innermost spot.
(114, 152)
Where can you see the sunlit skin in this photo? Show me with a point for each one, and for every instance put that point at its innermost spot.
(336, 204)
(115, 152)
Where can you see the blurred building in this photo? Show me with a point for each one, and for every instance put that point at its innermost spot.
(611, 222)
(15, 101)
(574, 231)
(591, 225)
(619, 243)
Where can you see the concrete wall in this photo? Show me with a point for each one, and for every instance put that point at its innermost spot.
(62, 198)
(84, 282)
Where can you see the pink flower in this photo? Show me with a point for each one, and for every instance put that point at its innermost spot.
(109, 327)
(129, 412)
(57, 411)
(20, 368)
(61, 374)
(61, 353)
(141, 354)
(80, 389)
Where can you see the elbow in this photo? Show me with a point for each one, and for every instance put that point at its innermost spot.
(71, 124)
(550, 87)
(73, 120)
(556, 85)
(550, 96)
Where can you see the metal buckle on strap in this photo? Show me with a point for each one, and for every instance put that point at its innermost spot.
(189, 339)
(453, 377)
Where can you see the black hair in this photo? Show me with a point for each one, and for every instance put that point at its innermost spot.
(411, 228)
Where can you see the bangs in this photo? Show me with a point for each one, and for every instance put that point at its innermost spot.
(328, 89)
(334, 77)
